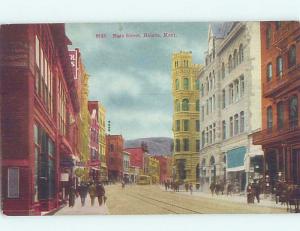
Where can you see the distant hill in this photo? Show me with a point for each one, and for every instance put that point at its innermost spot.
(156, 145)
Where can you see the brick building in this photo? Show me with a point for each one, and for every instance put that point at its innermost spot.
(38, 126)
(114, 157)
(280, 80)
(94, 158)
(165, 164)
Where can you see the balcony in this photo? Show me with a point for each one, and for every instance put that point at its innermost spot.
(277, 84)
(284, 32)
(288, 130)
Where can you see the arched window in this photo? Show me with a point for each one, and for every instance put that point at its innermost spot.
(293, 112)
(236, 124)
(177, 84)
(177, 105)
(185, 83)
(223, 71)
(292, 56)
(269, 72)
(242, 121)
(229, 63)
(269, 117)
(279, 66)
(241, 53)
(185, 105)
(235, 58)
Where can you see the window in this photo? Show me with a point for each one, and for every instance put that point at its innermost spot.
(230, 93)
(213, 80)
(197, 125)
(236, 124)
(186, 145)
(203, 138)
(277, 25)
(197, 84)
(237, 90)
(177, 105)
(111, 148)
(269, 72)
(197, 105)
(280, 117)
(229, 63)
(210, 134)
(231, 126)
(177, 146)
(242, 122)
(207, 107)
(197, 145)
(223, 99)
(186, 125)
(177, 84)
(235, 58)
(224, 129)
(210, 104)
(202, 89)
(293, 112)
(177, 125)
(13, 179)
(213, 103)
(268, 37)
(241, 53)
(214, 132)
(186, 84)
(242, 84)
(202, 113)
(223, 71)
(279, 66)
(292, 56)
(185, 105)
(269, 117)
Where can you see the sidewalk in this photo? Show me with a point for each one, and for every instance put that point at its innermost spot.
(237, 198)
(85, 210)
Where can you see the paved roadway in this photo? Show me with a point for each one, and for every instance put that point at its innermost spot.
(151, 199)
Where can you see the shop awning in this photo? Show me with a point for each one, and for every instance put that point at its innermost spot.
(235, 159)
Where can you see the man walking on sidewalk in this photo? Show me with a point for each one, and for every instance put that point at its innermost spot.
(100, 191)
(83, 190)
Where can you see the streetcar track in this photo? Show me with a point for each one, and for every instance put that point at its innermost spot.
(163, 202)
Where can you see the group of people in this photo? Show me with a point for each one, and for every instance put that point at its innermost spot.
(175, 186)
(94, 189)
(253, 191)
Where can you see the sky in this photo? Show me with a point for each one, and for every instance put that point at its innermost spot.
(131, 77)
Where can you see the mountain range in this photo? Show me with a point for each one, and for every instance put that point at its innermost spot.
(156, 145)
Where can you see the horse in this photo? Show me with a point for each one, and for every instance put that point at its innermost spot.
(219, 187)
(212, 187)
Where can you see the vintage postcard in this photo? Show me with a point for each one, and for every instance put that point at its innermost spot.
(150, 118)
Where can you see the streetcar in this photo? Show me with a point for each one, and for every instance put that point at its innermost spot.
(144, 180)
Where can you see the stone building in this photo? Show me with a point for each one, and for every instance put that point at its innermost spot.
(186, 124)
(230, 103)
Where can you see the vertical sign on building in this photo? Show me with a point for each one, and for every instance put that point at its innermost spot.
(73, 59)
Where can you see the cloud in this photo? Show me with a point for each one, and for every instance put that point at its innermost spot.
(132, 77)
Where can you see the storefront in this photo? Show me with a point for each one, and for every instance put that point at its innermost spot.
(235, 168)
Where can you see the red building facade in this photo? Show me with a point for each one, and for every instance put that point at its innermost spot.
(38, 126)
(136, 157)
(165, 164)
(94, 160)
(114, 157)
(280, 68)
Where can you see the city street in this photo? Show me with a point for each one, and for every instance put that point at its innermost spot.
(136, 199)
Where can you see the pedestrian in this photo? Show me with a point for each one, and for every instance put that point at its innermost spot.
(123, 184)
(191, 188)
(250, 194)
(83, 190)
(257, 190)
(72, 194)
(100, 192)
(166, 185)
(92, 192)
